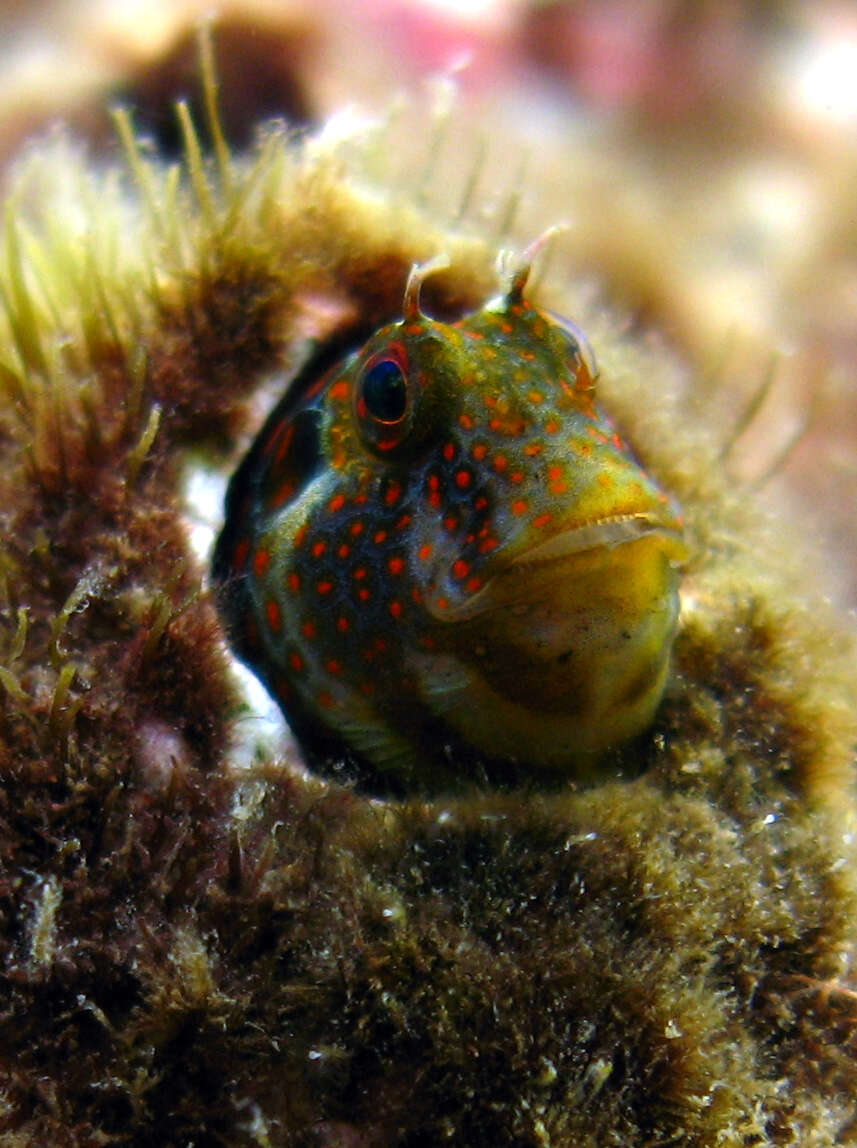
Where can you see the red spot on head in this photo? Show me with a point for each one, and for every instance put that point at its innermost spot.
(272, 610)
(450, 522)
(364, 594)
(318, 548)
(474, 584)
(309, 629)
(357, 527)
(300, 534)
(344, 550)
(380, 536)
(516, 476)
(333, 666)
(500, 463)
(466, 421)
(325, 699)
(488, 545)
(449, 451)
(261, 562)
(533, 448)
(336, 503)
(359, 573)
(396, 565)
(519, 506)
(342, 624)
(481, 502)
(404, 521)
(339, 390)
(393, 493)
(425, 551)
(296, 661)
(463, 479)
(324, 587)
(552, 426)
(396, 609)
(294, 582)
(542, 520)
(460, 568)
(479, 451)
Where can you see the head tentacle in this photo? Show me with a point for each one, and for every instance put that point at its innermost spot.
(515, 267)
(418, 273)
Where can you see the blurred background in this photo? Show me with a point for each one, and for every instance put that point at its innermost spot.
(702, 154)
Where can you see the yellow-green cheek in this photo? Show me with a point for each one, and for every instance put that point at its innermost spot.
(575, 658)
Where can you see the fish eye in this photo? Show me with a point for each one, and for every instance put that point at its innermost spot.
(384, 399)
(384, 391)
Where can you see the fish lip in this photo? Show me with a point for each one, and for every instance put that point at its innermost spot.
(614, 531)
(610, 532)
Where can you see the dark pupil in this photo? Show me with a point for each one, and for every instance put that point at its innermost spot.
(385, 391)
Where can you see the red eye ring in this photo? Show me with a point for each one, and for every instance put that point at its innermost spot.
(383, 392)
(383, 398)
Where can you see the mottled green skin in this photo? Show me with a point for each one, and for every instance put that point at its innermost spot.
(491, 571)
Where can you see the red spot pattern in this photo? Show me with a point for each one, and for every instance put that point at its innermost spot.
(429, 522)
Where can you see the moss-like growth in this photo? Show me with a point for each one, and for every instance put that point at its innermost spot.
(192, 954)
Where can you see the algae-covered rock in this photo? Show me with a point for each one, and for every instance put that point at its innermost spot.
(194, 953)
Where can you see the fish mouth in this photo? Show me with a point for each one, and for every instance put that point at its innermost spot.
(549, 560)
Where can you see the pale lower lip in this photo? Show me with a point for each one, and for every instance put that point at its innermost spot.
(606, 534)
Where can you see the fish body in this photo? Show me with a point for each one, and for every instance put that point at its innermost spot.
(441, 550)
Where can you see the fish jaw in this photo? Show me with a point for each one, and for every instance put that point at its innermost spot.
(565, 652)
